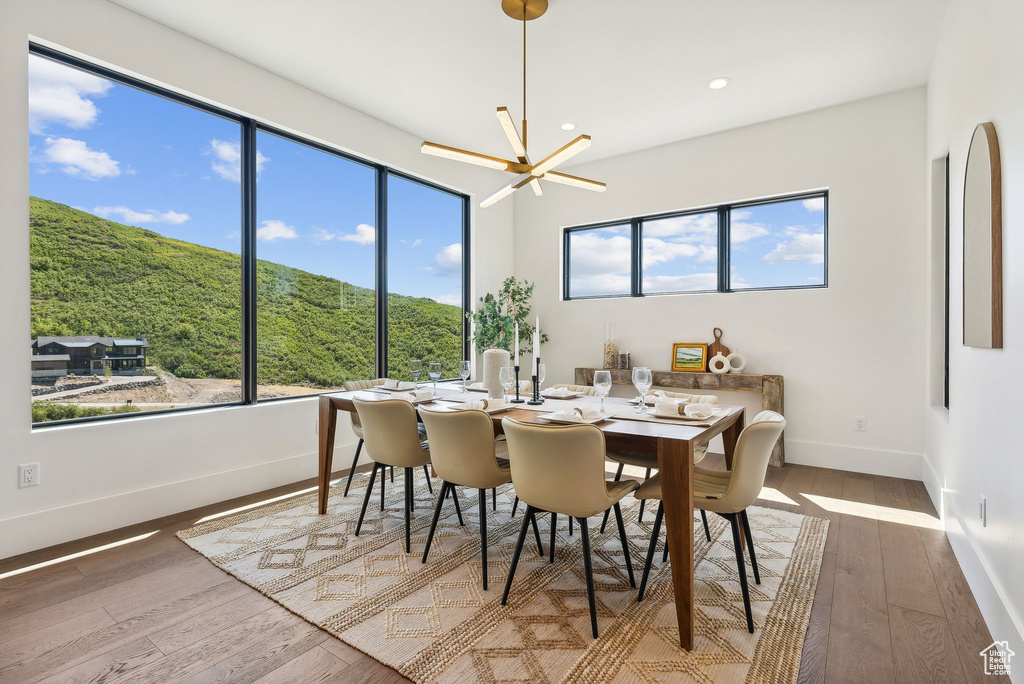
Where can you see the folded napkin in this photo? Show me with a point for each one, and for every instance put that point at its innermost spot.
(699, 411)
(577, 414)
(479, 386)
(556, 392)
(398, 385)
(417, 395)
(481, 405)
(668, 407)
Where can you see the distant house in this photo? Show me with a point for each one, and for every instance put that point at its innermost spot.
(88, 355)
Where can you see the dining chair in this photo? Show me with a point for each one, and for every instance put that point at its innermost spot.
(392, 436)
(728, 493)
(650, 461)
(357, 428)
(463, 454)
(586, 390)
(559, 469)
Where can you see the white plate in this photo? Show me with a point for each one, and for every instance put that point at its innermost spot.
(570, 395)
(489, 410)
(382, 388)
(681, 417)
(551, 418)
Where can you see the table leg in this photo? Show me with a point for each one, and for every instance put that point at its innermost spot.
(328, 424)
(675, 463)
(730, 436)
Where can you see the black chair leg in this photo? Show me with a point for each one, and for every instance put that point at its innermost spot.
(750, 545)
(483, 534)
(618, 476)
(408, 510)
(536, 532)
(625, 544)
(455, 497)
(515, 556)
(640, 516)
(570, 525)
(585, 533)
(392, 474)
(515, 505)
(650, 550)
(355, 462)
(437, 516)
(742, 568)
(382, 485)
(366, 498)
(551, 542)
(494, 499)
(426, 473)
(704, 519)
(664, 556)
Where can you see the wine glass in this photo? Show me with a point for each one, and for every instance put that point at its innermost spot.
(541, 374)
(642, 381)
(434, 372)
(603, 385)
(507, 378)
(464, 372)
(415, 369)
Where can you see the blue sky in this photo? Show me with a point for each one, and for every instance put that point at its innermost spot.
(777, 244)
(139, 159)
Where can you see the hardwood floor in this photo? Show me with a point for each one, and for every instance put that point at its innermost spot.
(891, 605)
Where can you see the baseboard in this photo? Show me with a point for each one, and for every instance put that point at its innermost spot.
(855, 459)
(993, 600)
(40, 529)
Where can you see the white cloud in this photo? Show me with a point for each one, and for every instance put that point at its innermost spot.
(227, 162)
(594, 254)
(75, 158)
(803, 246)
(449, 260)
(273, 230)
(599, 284)
(57, 94)
(741, 231)
(692, 228)
(450, 299)
(412, 243)
(657, 251)
(140, 217)
(681, 283)
(814, 204)
(364, 235)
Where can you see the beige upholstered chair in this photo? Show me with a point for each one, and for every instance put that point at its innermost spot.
(649, 461)
(544, 460)
(463, 453)
(582, 389)
(727, 493)
(392, 436)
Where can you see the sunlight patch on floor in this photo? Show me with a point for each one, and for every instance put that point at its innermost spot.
(875, 512)
(79, 554)
(214, 516)
(772, 494)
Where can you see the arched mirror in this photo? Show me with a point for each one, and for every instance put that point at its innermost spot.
(983, 249)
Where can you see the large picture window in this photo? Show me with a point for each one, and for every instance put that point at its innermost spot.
(778, 243)
(183, 256)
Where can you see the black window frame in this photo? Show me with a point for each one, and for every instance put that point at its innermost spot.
(724, 212)
(248, 128)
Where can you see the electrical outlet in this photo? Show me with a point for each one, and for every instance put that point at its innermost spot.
(983, 510)
(860, 424)
(28, 475)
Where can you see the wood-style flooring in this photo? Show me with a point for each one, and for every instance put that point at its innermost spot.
(892, 604)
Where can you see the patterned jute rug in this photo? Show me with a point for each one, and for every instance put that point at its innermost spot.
(433, 622)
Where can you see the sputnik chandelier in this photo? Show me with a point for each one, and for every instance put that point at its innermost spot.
(525, 172)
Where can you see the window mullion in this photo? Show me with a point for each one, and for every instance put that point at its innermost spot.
(249, 277)
(723, 249)
(636, 244)
(381, 254)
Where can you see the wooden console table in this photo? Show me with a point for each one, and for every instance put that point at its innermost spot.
(769, 386)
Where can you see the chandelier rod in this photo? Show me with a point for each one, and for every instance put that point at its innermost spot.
(524, 75)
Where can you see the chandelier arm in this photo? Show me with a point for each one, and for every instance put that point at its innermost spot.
(524, 77)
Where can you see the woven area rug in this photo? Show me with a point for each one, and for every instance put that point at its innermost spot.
(434, 623)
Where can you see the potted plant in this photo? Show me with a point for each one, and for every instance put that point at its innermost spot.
(495, 321)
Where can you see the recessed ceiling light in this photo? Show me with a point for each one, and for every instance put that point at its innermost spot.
(568, 126)
(718, 83)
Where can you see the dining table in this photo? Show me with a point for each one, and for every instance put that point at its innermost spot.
(673, 441)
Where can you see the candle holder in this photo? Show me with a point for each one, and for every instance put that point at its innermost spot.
(517, 400)
(537, 399)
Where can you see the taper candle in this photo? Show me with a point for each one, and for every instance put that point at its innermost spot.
(517, 343)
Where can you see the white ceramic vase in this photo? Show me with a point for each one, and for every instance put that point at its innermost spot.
(718, 364)
(737, 362)
(494, 361)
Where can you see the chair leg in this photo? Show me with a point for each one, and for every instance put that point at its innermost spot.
(585, 533)
(382, 485)
(625, 544)
(664, 555)
(369, 492)
(426, 473)
(392, 474)
(494, 499)
(458, 509)
(704, 519)
(640, 516)
(570, 525)
(750, 545)
(437, 516)
(483, 534)
(515, 556)
(551, 542)
(408, 510)
(355, 462)
(618, 476)
(536, 532)
(742, 568)
(650, 550)
(515, 505)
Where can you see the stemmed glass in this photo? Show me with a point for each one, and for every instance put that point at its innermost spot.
(507, 378)
(434, 372)
(415, 369)
(642, 381)
(603, 385)
(541, 374)
(464, 372)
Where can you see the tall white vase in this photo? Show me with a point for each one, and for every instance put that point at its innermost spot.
(494, 361)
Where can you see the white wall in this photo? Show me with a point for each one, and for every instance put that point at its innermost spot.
(853, 349)
(102, 476)
(973, 449)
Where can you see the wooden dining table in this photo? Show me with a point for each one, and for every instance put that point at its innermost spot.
(672, 442)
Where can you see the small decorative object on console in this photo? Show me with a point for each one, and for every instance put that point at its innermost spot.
(718, 364)
(624, 362)
(611, 357)
(690, 356)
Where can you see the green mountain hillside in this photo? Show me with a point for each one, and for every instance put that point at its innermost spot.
(92, 276)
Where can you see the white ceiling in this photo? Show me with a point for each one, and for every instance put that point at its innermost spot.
(631, 73)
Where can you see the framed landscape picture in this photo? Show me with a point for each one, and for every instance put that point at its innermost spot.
(690, 356)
